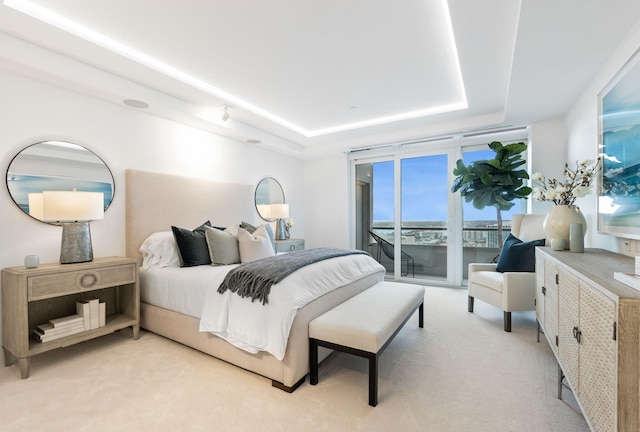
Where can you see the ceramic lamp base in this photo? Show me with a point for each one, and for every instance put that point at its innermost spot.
(76, 243)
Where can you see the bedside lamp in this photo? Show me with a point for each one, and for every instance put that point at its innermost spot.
(74, 210)
(280, 211)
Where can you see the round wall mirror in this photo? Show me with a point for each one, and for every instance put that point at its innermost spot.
(268, 192)
(57, 166)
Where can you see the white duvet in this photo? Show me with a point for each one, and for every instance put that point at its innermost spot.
(249, 325)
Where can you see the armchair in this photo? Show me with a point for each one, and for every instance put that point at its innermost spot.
(509, 291)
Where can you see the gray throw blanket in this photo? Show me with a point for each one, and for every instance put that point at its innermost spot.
(254, 279)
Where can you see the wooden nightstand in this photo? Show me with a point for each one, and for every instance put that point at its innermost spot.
(289, 245)
(33, 296)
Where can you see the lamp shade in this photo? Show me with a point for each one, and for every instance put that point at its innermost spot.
(279, 211)
(72, 206)
(36, 205)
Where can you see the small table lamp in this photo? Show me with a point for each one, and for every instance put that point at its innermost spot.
(280, 211)
(73, 210)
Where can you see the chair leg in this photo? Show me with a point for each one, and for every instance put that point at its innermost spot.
(507, 321)
(470, 304)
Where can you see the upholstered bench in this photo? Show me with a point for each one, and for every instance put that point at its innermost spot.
(364, 325)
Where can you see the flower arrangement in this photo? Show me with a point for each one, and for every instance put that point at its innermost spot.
(288, 224)
(576, 183)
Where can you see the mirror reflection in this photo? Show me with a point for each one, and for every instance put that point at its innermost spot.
(268, 192)
(57, 166)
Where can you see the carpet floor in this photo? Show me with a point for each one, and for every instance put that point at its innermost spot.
(462, 372)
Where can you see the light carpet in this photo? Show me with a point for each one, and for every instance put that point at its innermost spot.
(462, 372)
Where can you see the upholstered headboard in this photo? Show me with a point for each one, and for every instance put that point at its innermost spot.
(156, 201)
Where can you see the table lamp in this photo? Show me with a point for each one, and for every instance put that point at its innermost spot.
(280, 212)
(74, 210)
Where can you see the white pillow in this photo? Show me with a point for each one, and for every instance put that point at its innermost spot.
(254, 246)
(160, 250)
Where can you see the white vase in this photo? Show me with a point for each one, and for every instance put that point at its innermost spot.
(558, 220)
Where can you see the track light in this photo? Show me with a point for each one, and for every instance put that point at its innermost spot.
(225, 116)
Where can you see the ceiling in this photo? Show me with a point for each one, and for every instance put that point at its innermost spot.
(311, 78)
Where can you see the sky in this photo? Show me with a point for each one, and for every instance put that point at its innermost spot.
(425, 190)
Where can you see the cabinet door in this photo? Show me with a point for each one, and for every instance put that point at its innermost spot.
(597, 358)
(540, 289)
(551, 304)
(568, 326)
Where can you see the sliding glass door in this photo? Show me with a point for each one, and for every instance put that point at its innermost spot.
(408, 219)
(406, 227)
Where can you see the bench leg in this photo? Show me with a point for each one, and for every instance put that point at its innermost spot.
(421, 316)
(373, 380)
(313, 362)
(507, 321)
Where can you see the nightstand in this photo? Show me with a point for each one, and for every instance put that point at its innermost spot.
(33, 296)
(289, 245)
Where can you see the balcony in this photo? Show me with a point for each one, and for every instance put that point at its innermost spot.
(428, 248)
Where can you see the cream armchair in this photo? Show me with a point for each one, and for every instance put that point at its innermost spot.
(509, 291)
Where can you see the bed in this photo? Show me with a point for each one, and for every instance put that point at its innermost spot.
(154, 203)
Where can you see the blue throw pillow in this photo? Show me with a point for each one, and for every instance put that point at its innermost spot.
(518, 256)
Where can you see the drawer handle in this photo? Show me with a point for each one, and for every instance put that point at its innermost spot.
(292, 247)
(88, 280)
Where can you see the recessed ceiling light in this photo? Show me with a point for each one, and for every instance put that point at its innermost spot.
(253, 141)
(134, 103)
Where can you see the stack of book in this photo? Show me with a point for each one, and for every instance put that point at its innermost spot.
(90, 314)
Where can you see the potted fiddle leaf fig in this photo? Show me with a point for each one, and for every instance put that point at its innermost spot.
(496, 182)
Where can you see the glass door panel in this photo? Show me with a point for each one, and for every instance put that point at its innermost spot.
(424, 231)
(480, 227)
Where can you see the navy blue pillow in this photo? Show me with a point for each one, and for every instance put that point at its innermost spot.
(518, 256)
(192, 246)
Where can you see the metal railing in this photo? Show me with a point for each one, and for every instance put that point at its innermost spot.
(427, 246)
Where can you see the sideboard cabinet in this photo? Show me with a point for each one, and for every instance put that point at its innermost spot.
(592, 323)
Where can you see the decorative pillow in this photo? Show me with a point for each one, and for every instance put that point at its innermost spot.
(252, 229)
(192, 245)
(160, 250)
(254, 246)
(223, 247)
(518, 256)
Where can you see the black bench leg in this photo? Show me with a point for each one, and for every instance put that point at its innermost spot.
(470, 304)
(373, 380)
(421, 316)
(507, 321)
(313, 362)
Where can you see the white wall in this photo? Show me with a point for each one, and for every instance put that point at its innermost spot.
(327, 203)
(124, 138)
(547, 151)
(582, 126)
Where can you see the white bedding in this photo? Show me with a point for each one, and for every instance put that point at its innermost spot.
(249, 325)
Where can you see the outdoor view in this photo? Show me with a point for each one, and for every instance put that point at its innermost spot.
(425, 191)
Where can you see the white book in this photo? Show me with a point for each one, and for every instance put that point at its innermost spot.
(94, 312)
(48, 329)
(65, 321)
(103, 313)
(49, 337)
(82, 308)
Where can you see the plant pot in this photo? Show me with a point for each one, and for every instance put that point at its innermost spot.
(558, 220)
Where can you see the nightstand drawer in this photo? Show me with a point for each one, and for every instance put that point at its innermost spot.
(289, 245)
(63, 283)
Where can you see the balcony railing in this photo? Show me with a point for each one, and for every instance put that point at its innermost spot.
(427, 247)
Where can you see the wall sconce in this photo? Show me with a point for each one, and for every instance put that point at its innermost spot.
(280, 212)
(74, 210)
